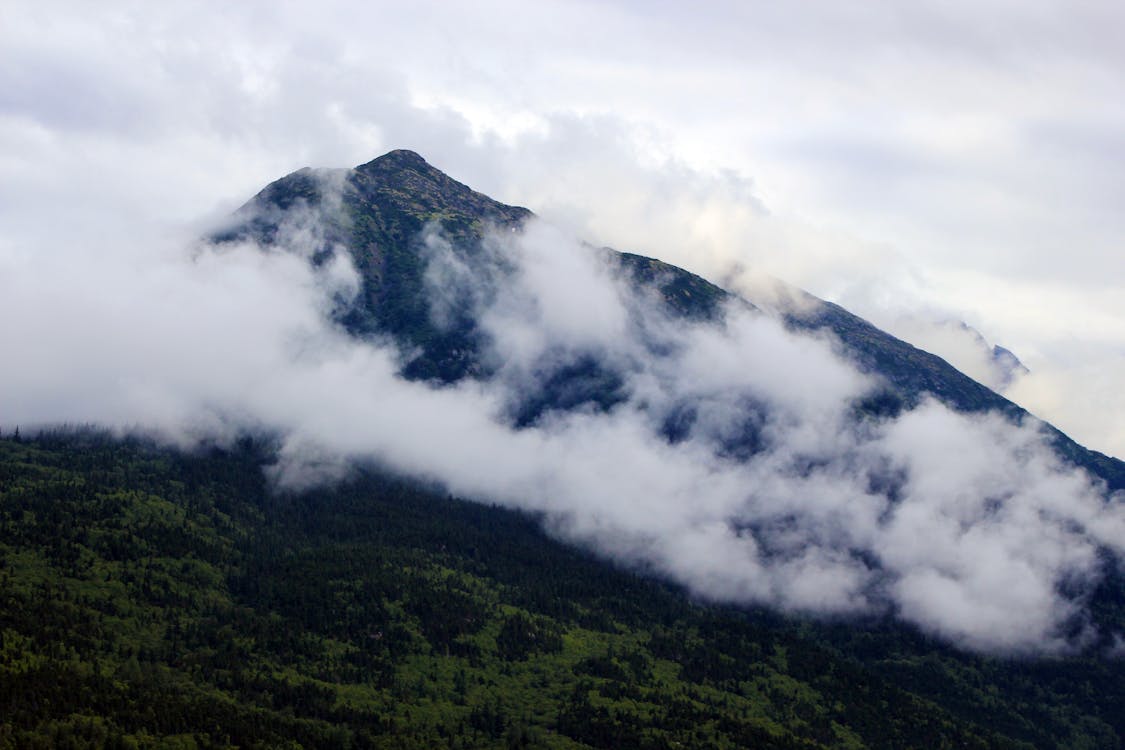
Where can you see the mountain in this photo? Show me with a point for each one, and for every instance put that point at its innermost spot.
(153, 596)
(379, 212)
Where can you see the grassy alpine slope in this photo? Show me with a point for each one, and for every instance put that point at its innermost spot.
(150, 598)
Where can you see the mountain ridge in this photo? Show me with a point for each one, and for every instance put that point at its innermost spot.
(388, 201)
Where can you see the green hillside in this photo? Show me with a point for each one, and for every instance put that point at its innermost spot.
(150, 598)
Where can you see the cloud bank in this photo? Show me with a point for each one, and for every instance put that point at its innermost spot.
(731, 460)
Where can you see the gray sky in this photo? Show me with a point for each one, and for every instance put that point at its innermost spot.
(919, 162)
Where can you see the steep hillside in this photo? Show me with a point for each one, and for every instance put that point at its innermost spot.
(150, 598)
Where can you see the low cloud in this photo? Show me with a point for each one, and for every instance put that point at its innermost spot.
(1081, 396)
(731, 458)
(961, 345)
(768, 490)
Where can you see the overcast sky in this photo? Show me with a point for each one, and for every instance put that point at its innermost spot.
(919, 163)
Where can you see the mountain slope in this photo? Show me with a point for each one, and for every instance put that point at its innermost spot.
(152, 598)
(379, 212)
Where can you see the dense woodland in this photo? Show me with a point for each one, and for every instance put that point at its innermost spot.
(153, 598)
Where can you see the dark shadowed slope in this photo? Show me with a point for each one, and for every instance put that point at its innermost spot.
(156, 599)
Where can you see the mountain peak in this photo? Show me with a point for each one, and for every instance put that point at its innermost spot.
(406, 181)
(400, 158)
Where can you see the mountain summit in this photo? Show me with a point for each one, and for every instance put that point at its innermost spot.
(409, 182)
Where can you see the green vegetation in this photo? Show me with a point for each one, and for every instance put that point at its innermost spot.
(150, 598)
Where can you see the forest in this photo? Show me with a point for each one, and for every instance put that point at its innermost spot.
(159, 598)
